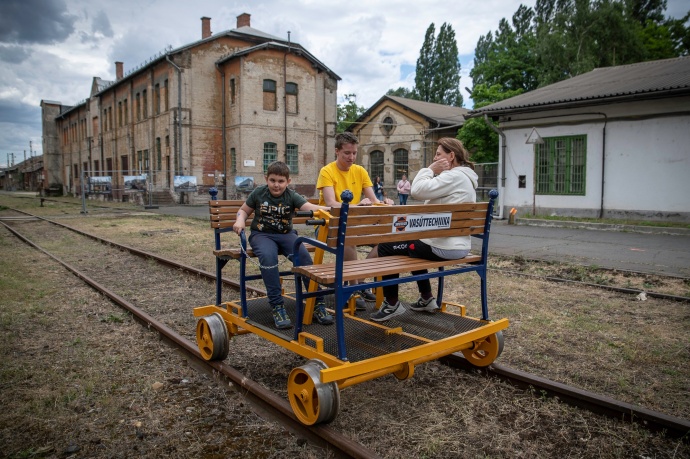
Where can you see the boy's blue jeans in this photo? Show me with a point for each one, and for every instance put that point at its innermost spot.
(267, 247)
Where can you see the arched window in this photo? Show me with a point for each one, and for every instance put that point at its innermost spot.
(400, 163)
(376, 164)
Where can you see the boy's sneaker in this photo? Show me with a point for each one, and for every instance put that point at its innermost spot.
(425, 305)
(386, 311)
(320, 314)
(281, 318)
(367, 295)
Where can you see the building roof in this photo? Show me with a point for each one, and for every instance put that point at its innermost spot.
(292, 47)
(442, 115)
(652, 79)
(245, 33)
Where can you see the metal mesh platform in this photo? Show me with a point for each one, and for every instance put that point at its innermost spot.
(364, 340)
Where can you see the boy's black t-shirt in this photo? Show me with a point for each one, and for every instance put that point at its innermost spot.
(274, 214)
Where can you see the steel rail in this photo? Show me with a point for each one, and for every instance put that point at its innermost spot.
(652, 420)
(632, 291)
(267, 402)
(145, 254)
(649, 419)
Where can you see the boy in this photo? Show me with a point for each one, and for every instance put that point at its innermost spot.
(343, 174)
(272, 234)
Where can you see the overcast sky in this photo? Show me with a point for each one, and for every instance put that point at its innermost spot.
(51, 49)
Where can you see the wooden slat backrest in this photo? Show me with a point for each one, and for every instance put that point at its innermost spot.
(372, 225)
(224, 213)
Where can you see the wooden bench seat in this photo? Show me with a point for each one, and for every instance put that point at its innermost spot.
(371, 225)
(223, 214)
(361, 269)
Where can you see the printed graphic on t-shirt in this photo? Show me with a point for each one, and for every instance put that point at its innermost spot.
(275, 218)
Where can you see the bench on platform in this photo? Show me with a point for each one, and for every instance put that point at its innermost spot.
(223, 214)
(358, 225)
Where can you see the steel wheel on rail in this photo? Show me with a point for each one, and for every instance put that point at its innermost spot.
(212, 337)
(312, 401)
(488, 350)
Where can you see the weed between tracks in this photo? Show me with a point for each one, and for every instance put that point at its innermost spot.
(602, 341)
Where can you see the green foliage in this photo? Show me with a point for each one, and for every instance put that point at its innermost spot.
(437, 77)
(402, 92)
(348, 113)
(479, 139)
(560, 39)
(507, 58)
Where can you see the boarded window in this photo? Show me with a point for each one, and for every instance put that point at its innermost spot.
(291, 99)
(270, 95)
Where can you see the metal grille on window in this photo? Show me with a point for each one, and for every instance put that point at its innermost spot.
(292, 159)
(270, 154)
(400, 163)
(560, 165)
(376, 164)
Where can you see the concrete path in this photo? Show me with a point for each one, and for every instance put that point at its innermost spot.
(648, 253)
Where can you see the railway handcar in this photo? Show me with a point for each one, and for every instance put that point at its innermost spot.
(356, 349)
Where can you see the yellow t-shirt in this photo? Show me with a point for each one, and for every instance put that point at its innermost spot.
(355, 180)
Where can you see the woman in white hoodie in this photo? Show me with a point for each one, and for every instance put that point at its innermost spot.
(449, 179)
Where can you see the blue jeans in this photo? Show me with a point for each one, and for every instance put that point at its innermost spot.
(267, 247)
(403, 199)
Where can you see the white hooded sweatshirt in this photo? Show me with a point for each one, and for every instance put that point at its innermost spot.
(449, 187)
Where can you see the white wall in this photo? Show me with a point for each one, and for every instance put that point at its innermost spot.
(647, 168)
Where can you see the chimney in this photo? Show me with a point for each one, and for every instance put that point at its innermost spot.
(205, 27)
(243, 20)
(118, 70)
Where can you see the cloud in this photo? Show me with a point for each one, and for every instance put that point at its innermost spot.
(14, 54)
(35, 21)
(101, 24)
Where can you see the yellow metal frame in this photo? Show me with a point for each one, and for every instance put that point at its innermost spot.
(345, 374)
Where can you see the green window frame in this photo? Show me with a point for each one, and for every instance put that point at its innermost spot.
(292, 158)
(270, 154)
(376, 165)
(560, 166)
(233, 161)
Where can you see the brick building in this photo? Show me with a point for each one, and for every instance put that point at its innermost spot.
(398, 136)
(212, 112)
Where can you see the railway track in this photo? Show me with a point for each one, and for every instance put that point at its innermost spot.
(649, 419)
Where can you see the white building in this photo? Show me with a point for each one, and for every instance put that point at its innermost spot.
(611, 143)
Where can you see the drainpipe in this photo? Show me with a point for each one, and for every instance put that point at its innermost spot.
(603, 164)
(285, 99)
(223, 148)
(502, 159)
(179, 114)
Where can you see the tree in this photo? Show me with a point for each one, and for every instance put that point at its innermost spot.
(437, 77)
(507, 57)
(446, 87)
(424, 76)
(479, 139)
(402, 92)
(348, 113)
